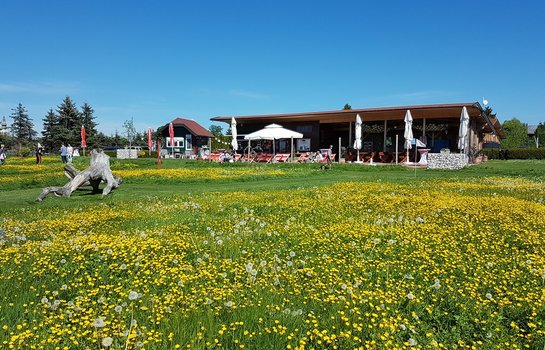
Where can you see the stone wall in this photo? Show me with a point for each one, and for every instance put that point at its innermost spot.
(450, 161)
(127, 154)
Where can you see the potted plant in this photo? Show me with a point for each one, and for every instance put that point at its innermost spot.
(476, 155)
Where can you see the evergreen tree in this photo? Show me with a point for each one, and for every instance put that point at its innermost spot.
(22, 127)
(69, 122)
(50, 138)
(88, 120)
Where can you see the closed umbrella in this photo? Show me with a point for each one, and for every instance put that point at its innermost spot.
(463, 131)
(234, 141)
(408, 134)
(357, 141)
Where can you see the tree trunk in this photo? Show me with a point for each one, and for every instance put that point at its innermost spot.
(98, 171)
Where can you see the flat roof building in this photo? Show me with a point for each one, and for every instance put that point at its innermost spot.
(436, 125)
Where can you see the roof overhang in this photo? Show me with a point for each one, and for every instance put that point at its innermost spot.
(436, 111)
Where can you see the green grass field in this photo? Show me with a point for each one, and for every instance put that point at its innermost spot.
(199, 255)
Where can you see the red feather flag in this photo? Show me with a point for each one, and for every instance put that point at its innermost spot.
(171, 134)
(150, 143)
(83, 137)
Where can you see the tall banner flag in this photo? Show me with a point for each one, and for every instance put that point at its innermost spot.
(150, 142)
(171, 134)
(83, 139)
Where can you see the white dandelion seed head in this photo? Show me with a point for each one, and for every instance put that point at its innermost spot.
(107, 342)
(118, 308)
(229, 303)
(99, 322)
(412, 342)
(410, 296)
(133, 295)
(488, 296)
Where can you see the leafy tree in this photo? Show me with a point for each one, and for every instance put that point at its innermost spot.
(219, 141)
(516, 134)
(216, 130)
(347, 107)
(88, 120)
(130, 131)
(540, 134)
(22, 127)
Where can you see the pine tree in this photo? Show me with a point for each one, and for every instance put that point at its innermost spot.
(88, 120)
(22, 127)
(50, 138)
(69, 121)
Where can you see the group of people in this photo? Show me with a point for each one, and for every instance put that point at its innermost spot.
(67, 152)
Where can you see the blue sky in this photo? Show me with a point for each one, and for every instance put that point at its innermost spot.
(157, 60)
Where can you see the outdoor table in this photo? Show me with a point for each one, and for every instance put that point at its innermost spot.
(423, 156)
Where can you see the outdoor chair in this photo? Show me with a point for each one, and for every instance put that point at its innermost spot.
(214, 157)
(303, 157)
(281, 158)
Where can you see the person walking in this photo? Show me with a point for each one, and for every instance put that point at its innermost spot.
(69, 153)
(39, 152)
(3, 155)
(64, 152)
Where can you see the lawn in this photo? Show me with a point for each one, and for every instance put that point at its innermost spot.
(198, 255)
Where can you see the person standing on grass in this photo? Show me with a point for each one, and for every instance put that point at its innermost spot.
(69, 153)
(2, 155)
(329, 153)
(64, 152)
(39, 152)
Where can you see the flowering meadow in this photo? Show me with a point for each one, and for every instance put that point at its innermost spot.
(431, 262)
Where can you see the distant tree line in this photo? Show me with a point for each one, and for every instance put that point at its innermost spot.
(63, 125)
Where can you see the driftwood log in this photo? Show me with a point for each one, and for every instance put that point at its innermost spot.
(98, 171)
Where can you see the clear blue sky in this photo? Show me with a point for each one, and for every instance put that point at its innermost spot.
(157, 60)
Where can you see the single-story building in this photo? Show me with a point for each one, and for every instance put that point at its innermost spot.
(189, 137)
(436, 125)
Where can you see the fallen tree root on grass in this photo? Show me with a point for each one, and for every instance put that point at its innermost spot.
(98, 171)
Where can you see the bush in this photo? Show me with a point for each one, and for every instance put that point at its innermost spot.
(515, 153)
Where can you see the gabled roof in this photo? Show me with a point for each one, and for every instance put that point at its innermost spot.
(191, 125)
(532, 129)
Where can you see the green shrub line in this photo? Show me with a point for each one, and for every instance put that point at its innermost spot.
(514, 153)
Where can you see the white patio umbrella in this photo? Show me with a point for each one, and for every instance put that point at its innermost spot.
(273, 132)
(463, 133)
(357, 141)
(234, 142)
(408, 132)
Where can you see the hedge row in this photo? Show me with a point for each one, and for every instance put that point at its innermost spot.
(515, 153)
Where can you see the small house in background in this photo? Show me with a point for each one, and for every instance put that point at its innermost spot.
(189, 138)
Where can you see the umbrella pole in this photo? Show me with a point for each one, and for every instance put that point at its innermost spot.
(291, 150)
